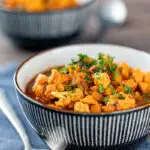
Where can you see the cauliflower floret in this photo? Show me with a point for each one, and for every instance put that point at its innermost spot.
(102, 79)
(63, 102)
(81, 107)
(39, 85)
(41, 79)
(75, 95)
(50, 88)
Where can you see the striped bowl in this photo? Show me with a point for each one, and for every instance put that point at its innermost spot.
(52, 24)
(80, 129)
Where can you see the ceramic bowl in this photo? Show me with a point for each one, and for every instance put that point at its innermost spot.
(44, 28)
(81, 129)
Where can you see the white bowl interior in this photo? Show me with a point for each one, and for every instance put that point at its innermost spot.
(63, 55)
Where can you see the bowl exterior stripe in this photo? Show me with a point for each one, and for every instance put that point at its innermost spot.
(44, 25)
(82, 130)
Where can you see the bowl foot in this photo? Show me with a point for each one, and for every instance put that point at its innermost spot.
(130, 146)
(37, 44)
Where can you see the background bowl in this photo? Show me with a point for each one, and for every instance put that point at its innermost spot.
(39, 29)
(83, 130)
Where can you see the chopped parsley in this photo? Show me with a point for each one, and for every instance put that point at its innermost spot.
(64, 70)
(82, 57)
(116, 74)
(87, 79)
(73, 61)
(69, 87)
(106, 100)
(147, 98)
(101, 89)
(120, 96)
(127, 89)
(114, 91)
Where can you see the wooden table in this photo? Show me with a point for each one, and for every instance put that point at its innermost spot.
(135, 33)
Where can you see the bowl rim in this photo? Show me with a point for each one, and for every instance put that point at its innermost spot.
(48, 12)
(30, 100)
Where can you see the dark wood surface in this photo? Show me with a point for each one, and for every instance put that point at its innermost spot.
(134, 33)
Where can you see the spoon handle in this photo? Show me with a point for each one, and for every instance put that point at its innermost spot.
(14, 119)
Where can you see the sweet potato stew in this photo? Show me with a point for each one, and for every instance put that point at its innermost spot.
(91, 85)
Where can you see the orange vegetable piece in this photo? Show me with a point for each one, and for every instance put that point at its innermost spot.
(109, 108)
(127, 103)
(144, 87)
(97, 96)
(147, 77)
(125, 70)
(81, 107)
(108, 91)
(89, 100)
(131, 83)
(97, 108)
(138, 75)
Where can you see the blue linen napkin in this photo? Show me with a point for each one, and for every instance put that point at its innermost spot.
(9, 138)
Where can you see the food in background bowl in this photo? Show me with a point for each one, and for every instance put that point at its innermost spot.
(39, 5)
(40, 30)
(91, 85)
(88, 130)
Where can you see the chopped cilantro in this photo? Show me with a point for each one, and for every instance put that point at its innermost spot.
(82, 56)
(120, 96)
(101, 55)
(127, 89)
(110, 86)
(116, 74)
(73, 67)
(147, 97)
(80, 86)
(147, 100)
(64, 70)
(101, 89)
(87, 79)
(106, 100)
(73, 61)
(113, 68)
(69, 87)
(114, 91)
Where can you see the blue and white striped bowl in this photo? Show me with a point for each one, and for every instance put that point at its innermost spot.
(83, 130)
(52, 24)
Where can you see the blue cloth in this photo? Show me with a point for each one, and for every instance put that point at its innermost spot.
(9, 138)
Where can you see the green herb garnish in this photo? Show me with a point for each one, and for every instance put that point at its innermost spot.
(69, 87)
(127, 89)
(120, 96)
(73, 61)
(64, 70)
(147, 98)
(101, 89)
(106, 100)
(114, 91)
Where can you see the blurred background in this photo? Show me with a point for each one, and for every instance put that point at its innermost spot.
(134, 32)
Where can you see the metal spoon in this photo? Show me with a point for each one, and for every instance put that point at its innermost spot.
(112, 13)
(12, 116)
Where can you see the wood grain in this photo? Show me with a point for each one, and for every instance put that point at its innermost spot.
(134, 33)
